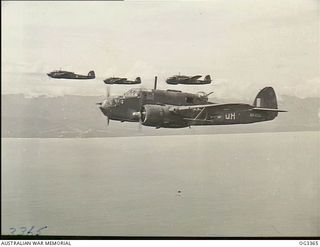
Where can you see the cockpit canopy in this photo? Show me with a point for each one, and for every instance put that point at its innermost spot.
(134, 92)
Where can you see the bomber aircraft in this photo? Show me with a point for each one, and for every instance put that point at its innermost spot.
(61, 74)
(188, 80)
(125, 81)
(176, 109)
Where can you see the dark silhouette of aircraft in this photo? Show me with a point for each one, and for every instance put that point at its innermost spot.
(176, 109)
(61, 74)
(188, 80)
(125, 81)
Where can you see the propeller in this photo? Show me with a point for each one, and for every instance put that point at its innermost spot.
(104, 104)
(107, 91)
(140, 112)
(140, 122)
(107, 98)
(140, 115)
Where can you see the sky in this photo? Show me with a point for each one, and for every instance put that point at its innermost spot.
(244, 45)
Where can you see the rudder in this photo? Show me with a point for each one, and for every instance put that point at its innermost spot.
(138, 79)
(207, 78)
(266, 99)
(92, 74)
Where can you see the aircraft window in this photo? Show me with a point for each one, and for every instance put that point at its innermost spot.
(132, 92)
(189, 99)
(135, 92)
(150, 96)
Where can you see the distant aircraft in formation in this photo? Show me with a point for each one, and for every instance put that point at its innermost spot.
(174, 80)
(124, 81)
(62, 74)
(176, 109)
(188, 80)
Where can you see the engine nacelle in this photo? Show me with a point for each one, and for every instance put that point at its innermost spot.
(160, 116)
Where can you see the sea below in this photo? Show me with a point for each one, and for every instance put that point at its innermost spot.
(257, 184)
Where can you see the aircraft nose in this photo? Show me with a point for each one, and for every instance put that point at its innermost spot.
(104, 104)
(104, 107)
(107, 104)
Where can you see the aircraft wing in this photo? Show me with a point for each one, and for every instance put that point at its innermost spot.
(224, 106)
(191, 78)
(119, 80)
(214, 108)
(184, 111)
(196, 77)
(217, 107)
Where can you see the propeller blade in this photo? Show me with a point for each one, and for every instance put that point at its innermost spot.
(108, 121)
(107, 91)
(140, 105)
(140, 125)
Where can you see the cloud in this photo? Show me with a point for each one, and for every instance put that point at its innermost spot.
(243, 45)
(310, 88)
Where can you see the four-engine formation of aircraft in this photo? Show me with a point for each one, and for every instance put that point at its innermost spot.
(188, 80)
(61, 74)
(176, 109)
(124, 81)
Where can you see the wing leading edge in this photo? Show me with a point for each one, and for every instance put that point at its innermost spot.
(215, 108)
(235, 106)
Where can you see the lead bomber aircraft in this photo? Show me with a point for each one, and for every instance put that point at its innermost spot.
(176, 109)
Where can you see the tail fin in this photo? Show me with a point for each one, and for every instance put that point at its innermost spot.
(138, 79)
(92, 74)
(207, 78)
(266, 98)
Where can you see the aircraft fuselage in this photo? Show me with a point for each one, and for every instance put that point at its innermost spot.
(169, 109)
(70, 75)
